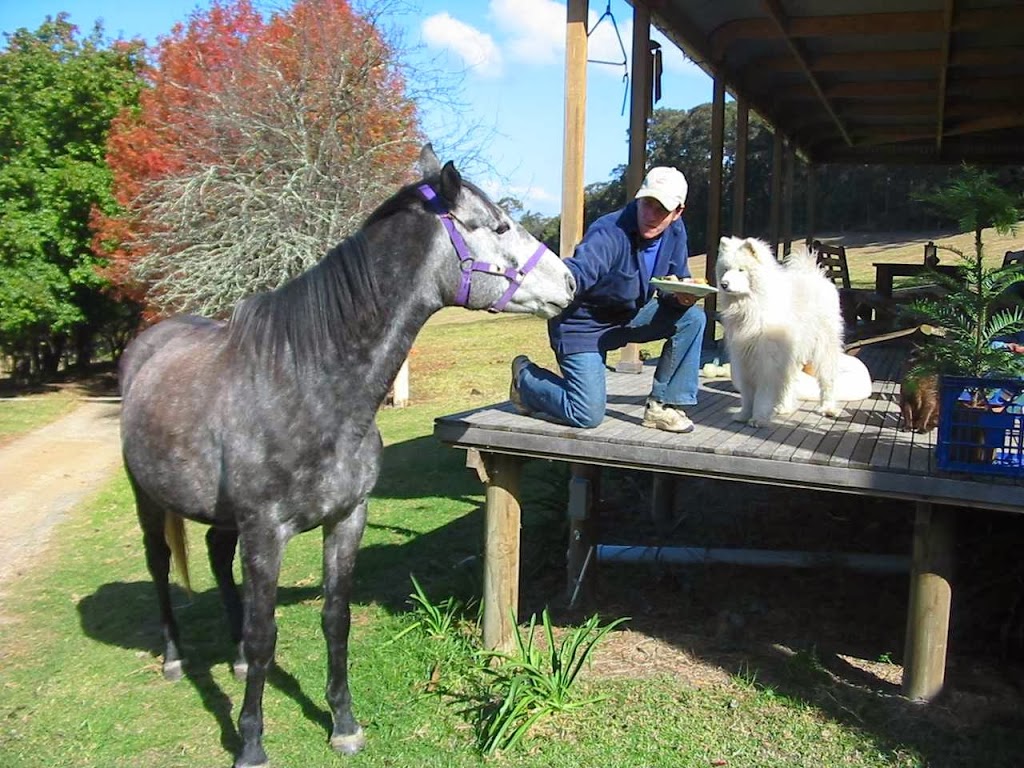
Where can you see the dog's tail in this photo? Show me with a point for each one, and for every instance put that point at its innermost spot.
(803, 259)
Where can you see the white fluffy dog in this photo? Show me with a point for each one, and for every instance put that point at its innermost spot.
(777, 318)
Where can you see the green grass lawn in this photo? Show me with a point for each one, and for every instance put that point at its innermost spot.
(80, 681)
(19, 415)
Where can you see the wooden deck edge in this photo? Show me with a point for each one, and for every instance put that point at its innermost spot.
(854, 480)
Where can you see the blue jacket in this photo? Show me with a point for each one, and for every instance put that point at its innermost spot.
(612, 284)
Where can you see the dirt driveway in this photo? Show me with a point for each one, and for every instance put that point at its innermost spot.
(44, 474)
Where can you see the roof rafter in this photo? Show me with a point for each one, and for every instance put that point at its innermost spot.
(781, 22)
(940, 107)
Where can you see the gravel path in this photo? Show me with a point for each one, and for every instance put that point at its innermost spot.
(47, 472)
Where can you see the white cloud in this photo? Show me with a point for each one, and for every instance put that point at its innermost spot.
(536, 28)
(535, 32)
(476, 49)
(532, 196)
(604, 44)
(535, 197)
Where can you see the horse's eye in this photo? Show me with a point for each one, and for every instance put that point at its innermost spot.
(503, 228)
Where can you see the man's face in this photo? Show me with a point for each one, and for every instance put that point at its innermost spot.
(652, 218)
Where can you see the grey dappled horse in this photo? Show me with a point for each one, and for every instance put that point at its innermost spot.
(263, 426)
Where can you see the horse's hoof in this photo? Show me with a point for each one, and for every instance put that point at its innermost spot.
(173, 671)
(259, 760)
(241, 669)
(349, 744)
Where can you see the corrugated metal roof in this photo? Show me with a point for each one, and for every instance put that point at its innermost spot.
(868, 80)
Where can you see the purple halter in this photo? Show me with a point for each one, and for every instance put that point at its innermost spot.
(469, 265)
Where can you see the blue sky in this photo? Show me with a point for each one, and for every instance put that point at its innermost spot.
(508, 58)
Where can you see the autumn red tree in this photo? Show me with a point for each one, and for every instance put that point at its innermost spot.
(261, 142)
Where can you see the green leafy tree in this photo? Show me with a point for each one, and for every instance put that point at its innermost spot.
(58, 95)
(263, 140)
(982, 304)
(547, 229)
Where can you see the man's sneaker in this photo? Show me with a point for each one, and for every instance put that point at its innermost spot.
(519, 362)
(666, 417)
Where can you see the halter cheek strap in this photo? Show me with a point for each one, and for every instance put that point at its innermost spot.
(468, 265)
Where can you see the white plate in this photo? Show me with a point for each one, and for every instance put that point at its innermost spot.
(678, 286)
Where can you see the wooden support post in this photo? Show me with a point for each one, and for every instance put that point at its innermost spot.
(812, 173)
(639, 108)
(575, 122)
(787, 198)
(739, 181)
(584, 489)
(663, 501)
(924, 657)
(501, 550)
(639, 99)
(776, 193)
(714, 222)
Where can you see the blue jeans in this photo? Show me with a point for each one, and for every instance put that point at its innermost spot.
(580, 396)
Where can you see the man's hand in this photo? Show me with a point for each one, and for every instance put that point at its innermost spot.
(687, 299)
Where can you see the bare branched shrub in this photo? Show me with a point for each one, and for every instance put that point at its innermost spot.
(261, 144)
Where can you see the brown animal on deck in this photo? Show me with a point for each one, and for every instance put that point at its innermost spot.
(919, 402)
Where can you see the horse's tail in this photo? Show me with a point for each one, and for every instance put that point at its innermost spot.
(174, 534)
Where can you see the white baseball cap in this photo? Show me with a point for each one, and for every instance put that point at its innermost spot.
(666, 185)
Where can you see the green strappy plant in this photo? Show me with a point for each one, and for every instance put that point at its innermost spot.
(536, 680)
(980, 304)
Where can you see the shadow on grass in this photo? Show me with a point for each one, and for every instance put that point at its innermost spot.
(827, 638)
(123, 614)
(793, 635)
(446, 560)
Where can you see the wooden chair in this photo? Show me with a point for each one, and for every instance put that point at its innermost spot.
(1014, 295)
(1013, 258)
(855, 303)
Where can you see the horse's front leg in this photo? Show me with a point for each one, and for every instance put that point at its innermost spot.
(261, 566)
(341, 543)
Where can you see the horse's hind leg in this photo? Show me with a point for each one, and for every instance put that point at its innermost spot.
(341, 542)
(158, 561)
(220, 546)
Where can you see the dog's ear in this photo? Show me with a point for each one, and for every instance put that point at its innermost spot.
(759, 250)
(749, 246)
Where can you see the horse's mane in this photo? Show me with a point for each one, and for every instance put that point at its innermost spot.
(402, 199)
(335, 305)
(409, 194)
(329, 307)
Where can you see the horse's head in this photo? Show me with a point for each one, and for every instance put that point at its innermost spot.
(499, 265)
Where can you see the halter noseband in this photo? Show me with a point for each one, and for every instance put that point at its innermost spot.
(468, 265)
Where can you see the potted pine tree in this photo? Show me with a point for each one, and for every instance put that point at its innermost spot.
(980, 387)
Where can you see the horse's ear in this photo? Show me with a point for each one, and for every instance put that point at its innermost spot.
(429, 165)
(451, 182)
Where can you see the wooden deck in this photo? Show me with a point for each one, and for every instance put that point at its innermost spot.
(862, 452)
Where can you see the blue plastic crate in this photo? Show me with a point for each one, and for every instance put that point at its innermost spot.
(981, 426)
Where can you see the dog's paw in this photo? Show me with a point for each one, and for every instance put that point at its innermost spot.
(741, 416)
(757, 423)
(785, 409)
(832, 410)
